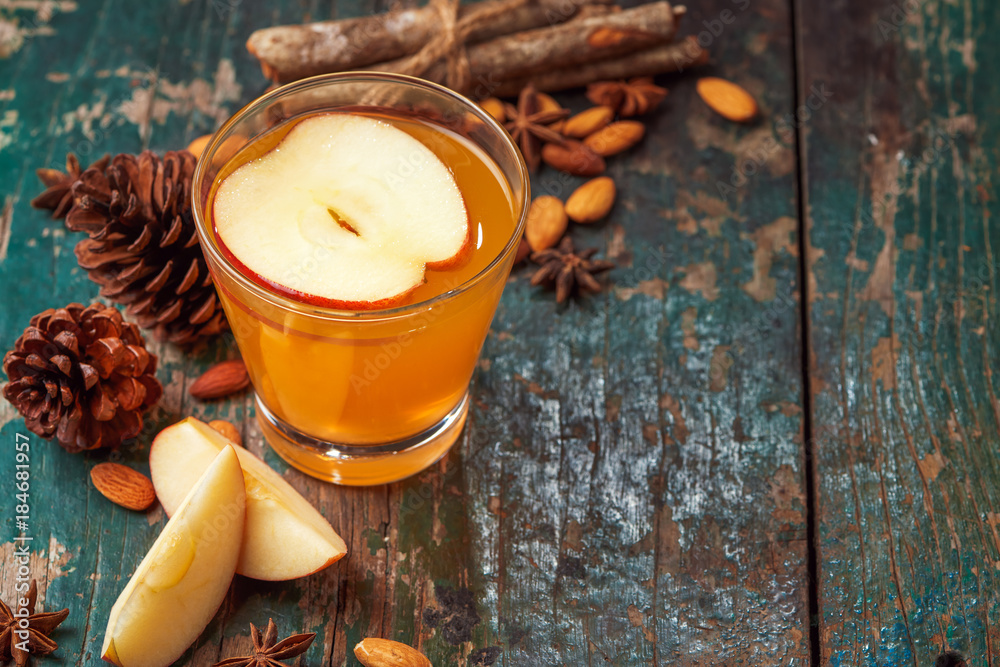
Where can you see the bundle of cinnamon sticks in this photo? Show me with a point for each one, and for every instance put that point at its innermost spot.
(490, 48)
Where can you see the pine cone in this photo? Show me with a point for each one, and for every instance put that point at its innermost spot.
(82, 375)
(143, 249)
(58, 194)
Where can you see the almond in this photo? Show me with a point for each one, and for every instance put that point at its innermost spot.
(587, 122)
(198, 145)
(547, 103)
(494, 107)
(227, 429)
(546, 222)
(373, 652)
(727, 99)
(222, 379)
(123, 485)
(615, 138)
(523, 250)
(573, 158)
(591, 201)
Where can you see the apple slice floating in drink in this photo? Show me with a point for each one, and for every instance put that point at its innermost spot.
(346, 211)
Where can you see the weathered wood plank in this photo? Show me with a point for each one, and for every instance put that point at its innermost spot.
(629, 488)
(644, 483)
(900, 171)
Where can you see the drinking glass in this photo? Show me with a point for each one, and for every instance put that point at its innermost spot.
(367, 396)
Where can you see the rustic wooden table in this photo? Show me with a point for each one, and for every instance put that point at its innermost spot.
(772, 441)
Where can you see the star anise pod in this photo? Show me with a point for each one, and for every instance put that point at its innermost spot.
(567, 269)
(58, 194)
(527, 125)
(40, 626)
(267, 650)
(628, 98)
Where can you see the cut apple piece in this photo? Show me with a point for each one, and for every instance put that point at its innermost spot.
(346, 211)
(284, 538)
(186, 573)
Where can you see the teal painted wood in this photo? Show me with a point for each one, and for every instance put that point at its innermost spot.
(901, 165)
(630, 487)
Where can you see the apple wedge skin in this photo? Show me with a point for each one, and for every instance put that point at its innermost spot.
(285, 537)
(185, 575)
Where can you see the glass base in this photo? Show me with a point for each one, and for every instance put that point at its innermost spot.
(362, 465)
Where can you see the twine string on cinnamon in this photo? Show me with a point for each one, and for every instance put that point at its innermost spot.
(451, 45)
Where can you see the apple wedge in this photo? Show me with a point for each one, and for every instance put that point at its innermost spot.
(284, 538)
(185, 575)
(347, 211)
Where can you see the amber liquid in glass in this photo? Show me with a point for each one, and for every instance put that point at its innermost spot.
(370, 380)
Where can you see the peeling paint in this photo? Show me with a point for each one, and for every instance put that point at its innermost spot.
(931, 465)
(700, 278)
(160, 98)
(769, 240)
(718, 370)
(884, 193)
(655, 287)
(6, 224)
(85, 116)
(688, 318)
(884, 361)
(16, 27)
(788, 497)
(637, 620)
(853, 261)
(44, 565)
(673, 407)
(8, 121)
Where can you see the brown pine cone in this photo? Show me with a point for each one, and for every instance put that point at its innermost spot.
(143, 249)
(82, 375)
(58, 194)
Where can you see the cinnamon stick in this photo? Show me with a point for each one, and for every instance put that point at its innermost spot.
(291, 52)
(657, 60)
(564, 46)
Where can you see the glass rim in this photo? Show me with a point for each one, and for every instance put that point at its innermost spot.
(300, 307)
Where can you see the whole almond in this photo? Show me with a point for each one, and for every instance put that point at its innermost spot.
(227, 429)
(222, 379)
(494, 107)
(591, 201)
(523, 250)
(198, 145)
(573, 158)
(616, 137)
(373, 652)
(123, 485)
(587, 122)
(546, 222)
(727, 99)
(547, 103)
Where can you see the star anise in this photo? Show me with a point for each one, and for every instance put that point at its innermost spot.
(40, 626)
(267, 650)
(58, 194)
(628, 98)
(567, 268)
(527, 124)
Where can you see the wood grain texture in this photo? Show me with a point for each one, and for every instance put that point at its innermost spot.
(629, 489)
(901, 163)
